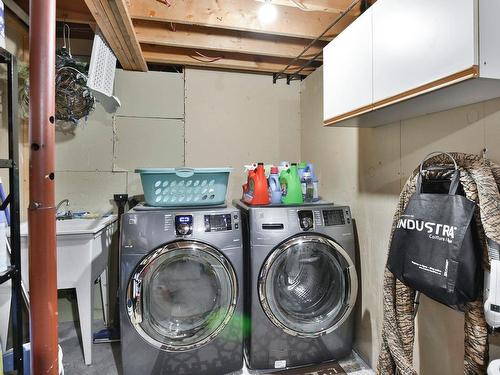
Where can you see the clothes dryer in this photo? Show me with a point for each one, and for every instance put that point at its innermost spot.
(301, 284)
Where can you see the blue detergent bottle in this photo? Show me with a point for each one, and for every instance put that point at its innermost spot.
(274, 186)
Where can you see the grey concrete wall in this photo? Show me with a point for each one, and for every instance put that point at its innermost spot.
(366, 168)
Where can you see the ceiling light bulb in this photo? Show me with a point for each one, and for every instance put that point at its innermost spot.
(267, 12)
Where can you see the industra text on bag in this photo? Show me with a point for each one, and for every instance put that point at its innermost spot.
(436, 231)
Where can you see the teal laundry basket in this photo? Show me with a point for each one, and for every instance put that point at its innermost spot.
(175, 187)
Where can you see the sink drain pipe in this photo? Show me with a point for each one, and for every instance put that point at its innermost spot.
(41, 210)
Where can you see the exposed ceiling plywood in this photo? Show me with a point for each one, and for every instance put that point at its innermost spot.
(239, 15)
(198, 37)
(332, 6)
(220, 34)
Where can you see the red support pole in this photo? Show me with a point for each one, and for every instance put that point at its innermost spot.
(41, 211)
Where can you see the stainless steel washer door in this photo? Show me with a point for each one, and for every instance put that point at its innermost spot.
(308, 286)
(182, 295)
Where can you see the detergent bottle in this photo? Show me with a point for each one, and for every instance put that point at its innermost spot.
(301, 168)
(284, 165)
(274, 186)
(310, 168)
(291, 188)
(255, 191)
(307, 187)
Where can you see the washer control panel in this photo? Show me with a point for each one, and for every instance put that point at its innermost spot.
(183, 225)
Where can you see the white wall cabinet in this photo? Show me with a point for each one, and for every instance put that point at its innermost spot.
(423, 56)
(416, 42)
(349, 79)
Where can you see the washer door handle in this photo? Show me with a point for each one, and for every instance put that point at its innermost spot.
(353, 288)
(134, 303)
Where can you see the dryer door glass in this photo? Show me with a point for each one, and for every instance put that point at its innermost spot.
(308, 286)
(182, 296)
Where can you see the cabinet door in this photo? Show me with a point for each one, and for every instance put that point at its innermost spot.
(418, 42)
(347, 72)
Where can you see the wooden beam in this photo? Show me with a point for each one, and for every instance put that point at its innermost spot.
(120, 9)
(72, 11)
(75, 11)
(112, 19)
(107, 31)
(199, 37)
(223, 60)
(239, 15)
(331, 6)
(64, 15)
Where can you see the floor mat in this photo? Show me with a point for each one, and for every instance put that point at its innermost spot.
(332, 368)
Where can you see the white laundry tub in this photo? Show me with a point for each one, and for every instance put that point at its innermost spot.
(82, 256)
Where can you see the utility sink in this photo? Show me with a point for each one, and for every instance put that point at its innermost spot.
(83, 247)
(77, 226)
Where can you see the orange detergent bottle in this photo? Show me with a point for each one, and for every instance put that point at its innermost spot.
(255, 191)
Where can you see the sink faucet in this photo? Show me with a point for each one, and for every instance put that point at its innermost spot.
(67, 213)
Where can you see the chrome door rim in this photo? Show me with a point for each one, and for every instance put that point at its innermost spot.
(353, 284)
(134, 293)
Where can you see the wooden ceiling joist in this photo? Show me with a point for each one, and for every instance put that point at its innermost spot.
(226, 60)
(70, 16)
(239, 15)
(199, 37)
(116, 26)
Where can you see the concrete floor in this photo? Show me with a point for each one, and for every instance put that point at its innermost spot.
(106, 358)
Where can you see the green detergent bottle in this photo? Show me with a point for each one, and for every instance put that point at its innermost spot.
(291, 187)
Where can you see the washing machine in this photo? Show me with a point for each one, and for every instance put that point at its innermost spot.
(301, 284)
(181, 288)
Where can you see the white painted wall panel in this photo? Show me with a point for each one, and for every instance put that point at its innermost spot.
(233, 119)
(360, 169)
(348, 69)
(458, 130)
(90, 191)
(417, 42)
(364, 168)
(151, 94)
(147, 143)
(90, 147)
(491, 113)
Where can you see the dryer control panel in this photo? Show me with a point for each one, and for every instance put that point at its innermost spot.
(336, 216)
(188, 224)
(218, 222)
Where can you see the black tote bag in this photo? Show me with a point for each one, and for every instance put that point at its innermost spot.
(434, 248)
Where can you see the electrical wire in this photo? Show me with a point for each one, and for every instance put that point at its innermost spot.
(336, 21)
(68, 47)
(166, 2)
(208, 59)
(300, 5)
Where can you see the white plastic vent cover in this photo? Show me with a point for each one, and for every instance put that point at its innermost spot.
(102, 67)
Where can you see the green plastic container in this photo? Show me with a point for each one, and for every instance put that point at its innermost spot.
(176, 187)
(290, 178)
